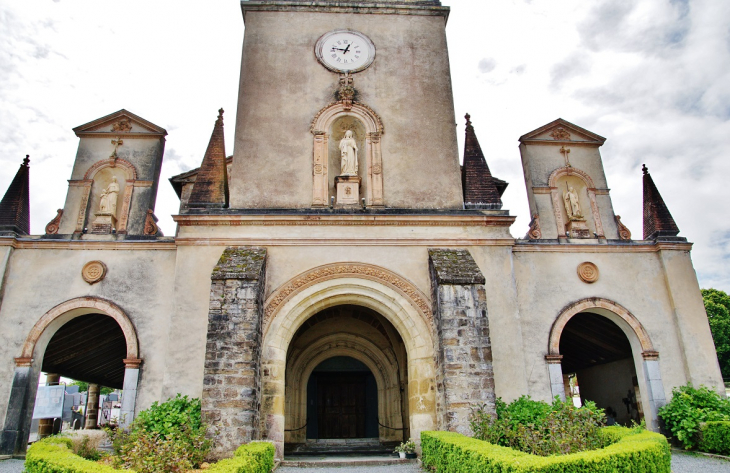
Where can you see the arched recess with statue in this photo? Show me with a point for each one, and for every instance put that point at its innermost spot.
(347, 353)
(87, 339)
(608, 353)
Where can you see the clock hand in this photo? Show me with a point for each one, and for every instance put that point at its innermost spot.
(346, 49)
(338, 49)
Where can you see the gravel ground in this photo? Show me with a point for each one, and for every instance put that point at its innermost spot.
(11, 466)
(693, 463)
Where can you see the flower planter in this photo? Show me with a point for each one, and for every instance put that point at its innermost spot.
(402, 454)
(411, 456)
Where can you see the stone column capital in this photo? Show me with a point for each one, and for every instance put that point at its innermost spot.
(554, 359)
(22, 362)
(132, 363)
(650, 355)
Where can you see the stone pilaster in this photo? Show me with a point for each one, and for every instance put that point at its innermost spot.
(465, 376)
(17, 418)
(232, 381)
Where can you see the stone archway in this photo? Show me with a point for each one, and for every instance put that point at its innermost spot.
(645, 357)
(28, 366)
(377, 289)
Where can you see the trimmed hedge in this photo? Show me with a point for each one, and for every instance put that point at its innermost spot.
(55, 455)
(256, 457)
(630, 451)
(714, 437)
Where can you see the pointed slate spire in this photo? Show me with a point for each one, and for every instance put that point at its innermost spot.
(15, 206)
(211, 185)
(481, 189)
(658, 222)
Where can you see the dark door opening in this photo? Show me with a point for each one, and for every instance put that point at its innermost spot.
(342, 401)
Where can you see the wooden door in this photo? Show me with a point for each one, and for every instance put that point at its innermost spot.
(341, 405)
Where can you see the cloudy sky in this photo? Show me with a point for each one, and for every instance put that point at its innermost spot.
(652, 76)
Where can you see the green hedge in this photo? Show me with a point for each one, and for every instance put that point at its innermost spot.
(714, 437)
(54, 455)
(631, 451)
(256, 457)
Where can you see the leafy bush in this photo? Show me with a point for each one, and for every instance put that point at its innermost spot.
(689, 408)
(717, 306)
(540, 428)
(715, 437)
(54, 455)
(166, 437)
(635, 451)
(255, 457)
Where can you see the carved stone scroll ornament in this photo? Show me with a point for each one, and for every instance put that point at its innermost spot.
(623, 232)
(588, 272)
(52, 227)
(560, 134)
(534, 233)
(93, 271)
(150, 224)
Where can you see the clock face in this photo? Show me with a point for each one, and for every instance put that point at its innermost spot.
(345, 51)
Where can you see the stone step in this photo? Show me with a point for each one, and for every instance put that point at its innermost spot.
(344, 461)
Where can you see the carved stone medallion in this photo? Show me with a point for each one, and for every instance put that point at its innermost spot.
(560, 134)
(588, 272)
(93, 272)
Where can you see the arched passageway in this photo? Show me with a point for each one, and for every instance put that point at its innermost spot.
(345, 378)
(597, 358)
(88, 339)
(610, 353)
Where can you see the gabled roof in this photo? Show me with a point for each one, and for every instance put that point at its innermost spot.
(179, 180)
(15, 206)
(121, 122)
(562, 131)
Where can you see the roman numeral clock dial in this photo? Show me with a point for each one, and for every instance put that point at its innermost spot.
(345, 51)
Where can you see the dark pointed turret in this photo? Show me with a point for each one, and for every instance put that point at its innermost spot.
(15, 206)
(658, 222)
(211, 185)
(481, 189)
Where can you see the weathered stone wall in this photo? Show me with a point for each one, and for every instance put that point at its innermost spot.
(231, 391)
(465, 377)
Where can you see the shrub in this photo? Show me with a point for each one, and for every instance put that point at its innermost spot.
(255, 457)
(168, 417)
(714, 437)
(540, 428)
(54, 455)
(635, 451)
(689, 408)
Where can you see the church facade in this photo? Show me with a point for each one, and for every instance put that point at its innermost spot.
(342, 275)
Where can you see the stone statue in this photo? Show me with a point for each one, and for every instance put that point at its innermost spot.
(108, 200)
(572, 206)
(348, 155)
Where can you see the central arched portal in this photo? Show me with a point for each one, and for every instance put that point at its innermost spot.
(346, 378)
(353, 310)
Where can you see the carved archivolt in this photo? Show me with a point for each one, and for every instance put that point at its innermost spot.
(84, 305)
(87, 182)
(344, 270)
(131, 172)
(373, 154)
(598, 303)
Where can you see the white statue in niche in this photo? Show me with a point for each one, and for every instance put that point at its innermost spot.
(108, 199)
(348, 155)
(572, 206)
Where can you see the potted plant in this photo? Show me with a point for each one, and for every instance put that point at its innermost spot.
(406, 449)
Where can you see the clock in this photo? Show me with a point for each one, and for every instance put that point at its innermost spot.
(345, 51)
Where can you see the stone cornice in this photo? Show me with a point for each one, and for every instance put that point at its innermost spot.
(367, 7)
(431, 242)
(640, 247)
(87, 244)
(425, 220)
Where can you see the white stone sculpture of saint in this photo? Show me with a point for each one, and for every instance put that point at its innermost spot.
(572, 206)
(108, 200)
(348, 155)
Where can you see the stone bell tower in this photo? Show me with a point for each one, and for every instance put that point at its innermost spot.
(314, 73)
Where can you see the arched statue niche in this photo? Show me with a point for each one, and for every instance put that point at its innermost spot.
(568, 186)
(329, 127)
